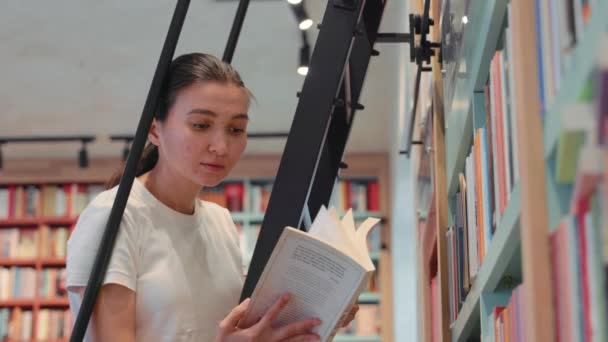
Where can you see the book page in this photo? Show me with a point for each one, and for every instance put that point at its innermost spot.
(321, 280)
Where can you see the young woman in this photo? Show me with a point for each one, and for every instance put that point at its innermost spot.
(175, 273)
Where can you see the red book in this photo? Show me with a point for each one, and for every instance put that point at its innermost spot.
(373, 202)
(557, 292)
(234, 196)
(11, 202)
(583, 208)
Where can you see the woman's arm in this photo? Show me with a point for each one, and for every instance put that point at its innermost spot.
(114, 315)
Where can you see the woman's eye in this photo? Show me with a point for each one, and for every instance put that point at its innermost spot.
(237, 130)
(200, 125)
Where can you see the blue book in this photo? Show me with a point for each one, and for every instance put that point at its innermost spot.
(17, 283)
(539, 56)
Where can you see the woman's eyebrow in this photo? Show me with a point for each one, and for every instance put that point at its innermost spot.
(241, 116)
(202, 111)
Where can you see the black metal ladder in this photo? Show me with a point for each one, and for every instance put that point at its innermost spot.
(326, 109)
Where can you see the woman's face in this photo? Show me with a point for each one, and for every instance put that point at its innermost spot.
(205, 132)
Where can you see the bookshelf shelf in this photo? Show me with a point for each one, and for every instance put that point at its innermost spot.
(52, 262)
(369, 298)
(347, 338)
(58, 221)
(20, 222)
(583, 62)
(33, 222)
(53, 302)
(503, 246)
(20, 302)
(240, 217)
(8, 262)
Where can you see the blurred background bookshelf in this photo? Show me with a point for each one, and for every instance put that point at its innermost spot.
(522, 126)
(40, 202)
(36, 219)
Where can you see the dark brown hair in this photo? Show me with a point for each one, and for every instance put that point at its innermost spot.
(184, 71)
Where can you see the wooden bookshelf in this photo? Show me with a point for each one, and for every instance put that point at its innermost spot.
(251, 169)
(519, 251)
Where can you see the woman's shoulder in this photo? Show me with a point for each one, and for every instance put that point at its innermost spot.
(215, 210)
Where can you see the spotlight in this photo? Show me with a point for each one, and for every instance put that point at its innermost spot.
(295, 2)
(304, 22)
(304, 60)
(83, 157)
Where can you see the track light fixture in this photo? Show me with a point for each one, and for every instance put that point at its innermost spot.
(83, 159)
(304, 21)
(304, 59)
(83, 156)
(125, 151)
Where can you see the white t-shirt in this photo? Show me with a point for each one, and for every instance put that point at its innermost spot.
(185, 269)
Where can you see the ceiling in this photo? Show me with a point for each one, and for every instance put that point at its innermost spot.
(84, 67)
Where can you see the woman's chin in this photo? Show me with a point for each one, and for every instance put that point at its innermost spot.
(209, 181)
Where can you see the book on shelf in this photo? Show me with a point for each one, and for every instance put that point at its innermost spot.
(53, 324)
(231, 195)
(507, 321)
(260, 195)
(560, 26)
(579, 273)
(359, 195)
(34, 201)
(435, 309)
(17, 282)
(325, 270)
(16, 324)
(26, 243)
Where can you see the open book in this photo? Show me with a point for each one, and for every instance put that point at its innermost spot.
(325, 270)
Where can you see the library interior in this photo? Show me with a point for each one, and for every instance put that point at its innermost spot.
(153, 155)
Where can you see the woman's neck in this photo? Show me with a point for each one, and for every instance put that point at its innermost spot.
(172, 190)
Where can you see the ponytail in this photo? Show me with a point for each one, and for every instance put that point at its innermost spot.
(148, 160)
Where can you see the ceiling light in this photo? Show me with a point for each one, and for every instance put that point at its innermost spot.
(465, 20)
(305, 24)
(294, 2)
(304, 60)
(304, 21)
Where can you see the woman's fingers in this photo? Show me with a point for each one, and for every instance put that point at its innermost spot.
(234, 316)
(297, 329)
(274, 311)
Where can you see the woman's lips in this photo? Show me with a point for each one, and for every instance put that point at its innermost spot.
(213, 167)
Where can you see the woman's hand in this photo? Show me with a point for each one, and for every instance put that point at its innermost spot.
(263, 331)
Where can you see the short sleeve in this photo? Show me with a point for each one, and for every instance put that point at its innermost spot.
(84, 242)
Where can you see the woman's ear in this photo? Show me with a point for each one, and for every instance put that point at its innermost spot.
(153, 133)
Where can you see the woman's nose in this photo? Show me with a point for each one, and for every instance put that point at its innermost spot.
(219, 144)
